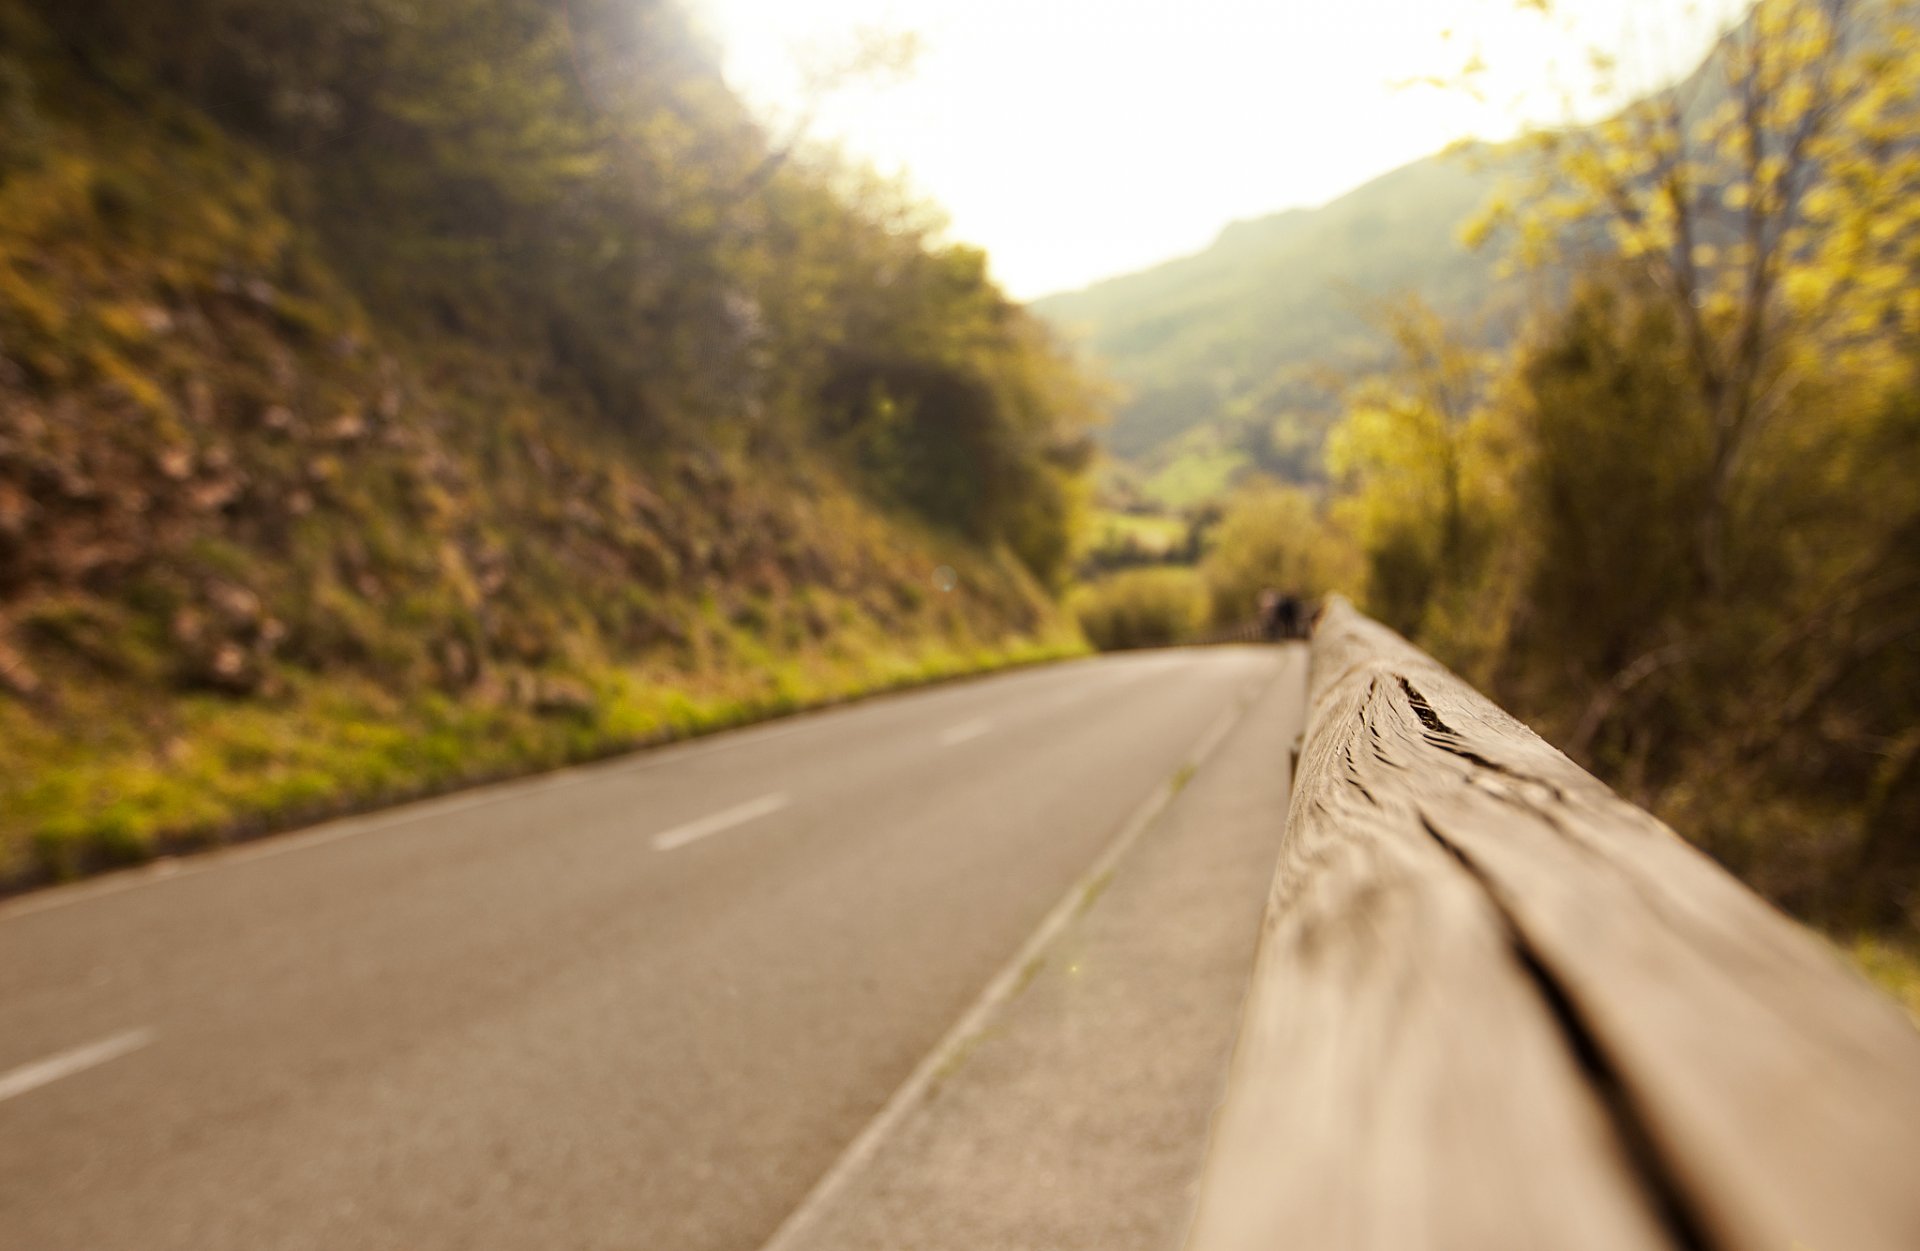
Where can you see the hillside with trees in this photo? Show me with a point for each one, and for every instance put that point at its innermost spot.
(1230, 361)
(1675, 522)
(1226, 359)
(396, 394)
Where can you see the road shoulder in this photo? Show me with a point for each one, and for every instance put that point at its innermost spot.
(1077, 1113)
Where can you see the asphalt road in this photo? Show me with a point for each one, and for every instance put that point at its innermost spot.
(642, 1004)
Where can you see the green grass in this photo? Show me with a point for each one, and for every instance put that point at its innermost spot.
(1197, 476)
(407, 580)
(1157, 533)
(1893, 967)
(1028, 972)
(1090, 894)
(72, 804)
(1152, 607)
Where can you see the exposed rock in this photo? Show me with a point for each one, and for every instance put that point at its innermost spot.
(17, 511)
(76, 485)
(582, 514)
(229, 663)
(459, 667)
(187, 628)
(224, 647)
(237, 604)
(645, 502)
(199, 406)
(175, 463)
(28, 423)
(215, 495)
(17, 678)
(647, 560)
(286, 368)
(562, 697)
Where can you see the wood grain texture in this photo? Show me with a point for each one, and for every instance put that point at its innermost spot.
(1497, 1007)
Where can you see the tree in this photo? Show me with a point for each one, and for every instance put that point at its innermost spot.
(1767, 201)
(1273, 537)
(1413, 453)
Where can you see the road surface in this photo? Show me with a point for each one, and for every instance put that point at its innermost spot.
(646, 1003)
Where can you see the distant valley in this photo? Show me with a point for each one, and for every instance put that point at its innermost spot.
(1224, 355)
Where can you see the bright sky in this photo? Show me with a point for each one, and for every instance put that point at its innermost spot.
(1078, 139)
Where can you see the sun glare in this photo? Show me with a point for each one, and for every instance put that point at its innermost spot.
(1079, 139)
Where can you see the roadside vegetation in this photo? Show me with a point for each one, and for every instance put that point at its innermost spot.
(1154, 607)
(1675, 524)
(1264, 536)
(393, 395)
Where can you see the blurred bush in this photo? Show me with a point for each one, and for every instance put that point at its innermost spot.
(1142, 608)
(1278, 538)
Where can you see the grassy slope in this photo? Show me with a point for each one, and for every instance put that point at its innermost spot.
(260, 558)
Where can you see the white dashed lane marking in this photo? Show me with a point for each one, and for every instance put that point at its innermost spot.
(692, 831)
(66, 1063)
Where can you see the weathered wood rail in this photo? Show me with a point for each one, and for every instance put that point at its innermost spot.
(1497, 1007)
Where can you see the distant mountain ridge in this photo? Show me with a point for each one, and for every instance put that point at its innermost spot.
(1216, 351)
(1224, 355)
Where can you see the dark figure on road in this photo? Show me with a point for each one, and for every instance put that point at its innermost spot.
(1289, 616)
(1280, 616)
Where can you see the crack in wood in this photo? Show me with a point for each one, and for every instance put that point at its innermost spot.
(1664, 1193)
(1498, 1008)
(1441, 735)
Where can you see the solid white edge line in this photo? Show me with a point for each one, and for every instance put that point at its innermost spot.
(726, 819)
(66, 1063)
(998, 991)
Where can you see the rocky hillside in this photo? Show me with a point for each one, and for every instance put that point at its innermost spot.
(310, 500)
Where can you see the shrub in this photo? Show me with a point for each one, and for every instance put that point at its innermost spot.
(1275, 537)
(1142, 608)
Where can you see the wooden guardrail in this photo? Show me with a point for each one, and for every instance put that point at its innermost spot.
(1496, 1007)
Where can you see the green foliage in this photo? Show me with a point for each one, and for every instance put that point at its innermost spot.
(1274, 538)
(574, 186)
(1124, 539)
(331, 748)
(1196, 471)
(1613, 484)
(1223, 357)
(1142, 608)
(392, 395)
(1419, 457)
(963, 411)
(1895, 968)
(1767, 205)
(1678, 526)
